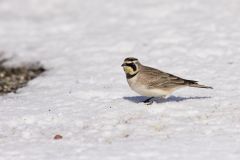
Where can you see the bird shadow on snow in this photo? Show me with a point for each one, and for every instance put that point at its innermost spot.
(140, 99)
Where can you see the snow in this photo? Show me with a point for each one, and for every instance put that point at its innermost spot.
(84, 95)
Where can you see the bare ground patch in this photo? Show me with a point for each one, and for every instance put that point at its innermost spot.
(13, 78)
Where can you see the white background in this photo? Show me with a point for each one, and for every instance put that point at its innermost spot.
(84, 95)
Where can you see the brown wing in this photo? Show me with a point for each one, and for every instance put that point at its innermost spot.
(156, 78)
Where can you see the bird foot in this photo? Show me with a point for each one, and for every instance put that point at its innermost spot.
(148, 101)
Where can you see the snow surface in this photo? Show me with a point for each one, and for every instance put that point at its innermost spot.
(84, 95)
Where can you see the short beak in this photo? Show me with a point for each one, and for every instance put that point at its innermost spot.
(123, 65)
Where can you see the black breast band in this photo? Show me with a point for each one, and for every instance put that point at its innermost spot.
(129, 76)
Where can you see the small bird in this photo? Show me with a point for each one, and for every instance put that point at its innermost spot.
(151, 82)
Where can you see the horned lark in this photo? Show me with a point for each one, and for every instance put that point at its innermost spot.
(151, 82)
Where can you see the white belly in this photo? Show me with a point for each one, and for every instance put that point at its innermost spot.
(144, 91)
(149, 92)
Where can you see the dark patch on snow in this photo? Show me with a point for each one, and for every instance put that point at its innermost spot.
(13, 78)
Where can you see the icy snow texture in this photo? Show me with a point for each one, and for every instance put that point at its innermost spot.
(85, 98)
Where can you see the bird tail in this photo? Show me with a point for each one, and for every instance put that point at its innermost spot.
(195, 84)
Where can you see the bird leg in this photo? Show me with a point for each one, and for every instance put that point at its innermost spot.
(148, 101)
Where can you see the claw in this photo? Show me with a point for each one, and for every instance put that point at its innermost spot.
(148, 101)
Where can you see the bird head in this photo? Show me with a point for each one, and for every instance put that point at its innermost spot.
(131, 65)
